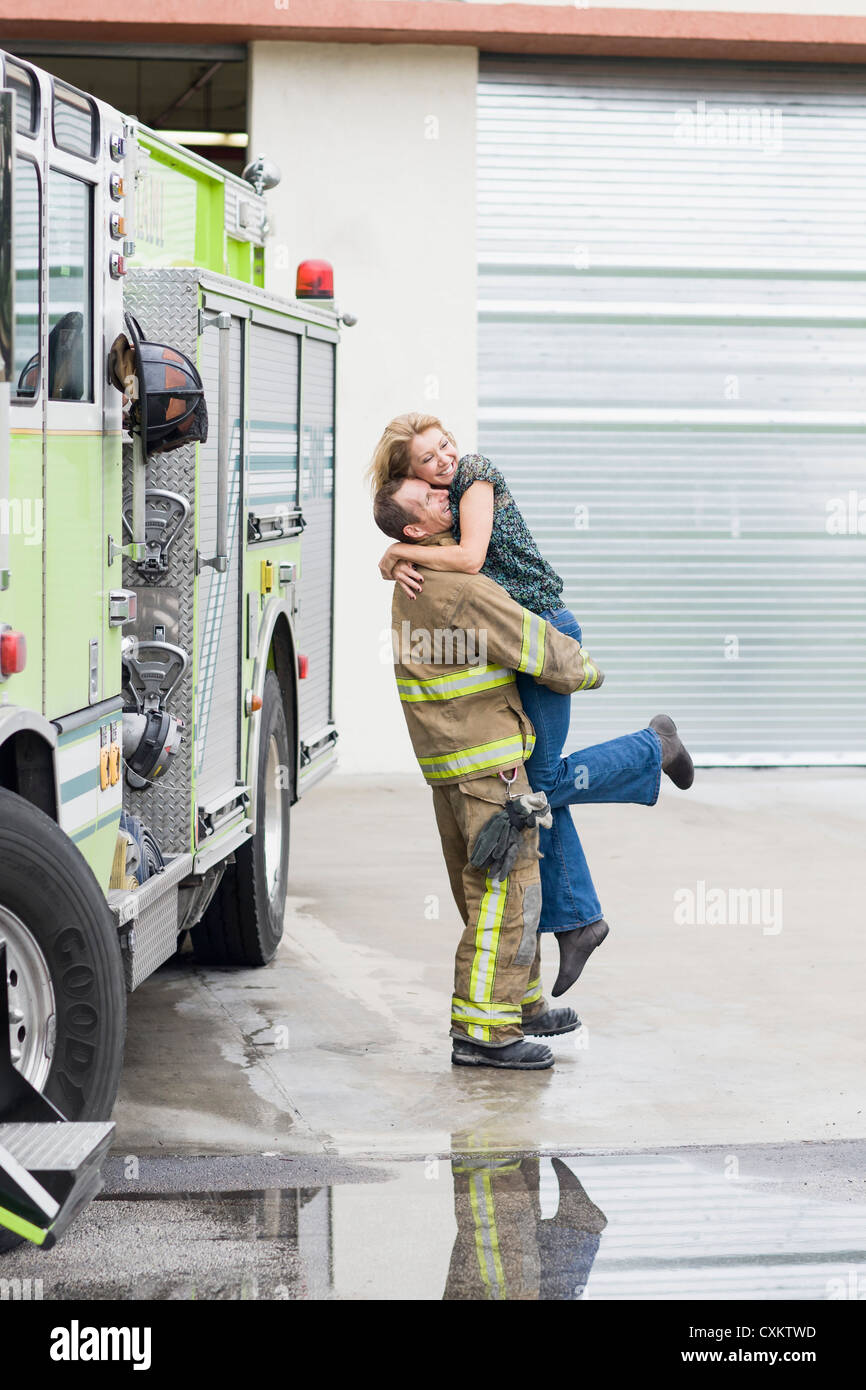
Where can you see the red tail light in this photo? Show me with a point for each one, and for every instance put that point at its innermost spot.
(303, 667)
(13, 652)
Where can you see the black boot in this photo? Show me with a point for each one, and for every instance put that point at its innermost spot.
(551, 1022)
(676, 761)
(575, 1208)
(575, 949)
(516, 1056)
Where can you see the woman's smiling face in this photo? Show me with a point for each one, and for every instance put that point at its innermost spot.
(433, 458)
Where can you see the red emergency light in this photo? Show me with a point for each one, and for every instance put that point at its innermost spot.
(303, 667)
(315, 280)
(13, 652)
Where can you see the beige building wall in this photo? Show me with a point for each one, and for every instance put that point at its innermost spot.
(377, 149)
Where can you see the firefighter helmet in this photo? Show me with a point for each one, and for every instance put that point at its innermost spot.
(170, 408)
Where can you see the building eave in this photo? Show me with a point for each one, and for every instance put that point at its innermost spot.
(521, 28)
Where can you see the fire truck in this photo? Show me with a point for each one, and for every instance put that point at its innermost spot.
(166, 440)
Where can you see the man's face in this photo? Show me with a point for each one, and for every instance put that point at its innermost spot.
(433, 458)
(429, 505)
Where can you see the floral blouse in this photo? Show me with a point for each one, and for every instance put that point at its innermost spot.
(513, 558)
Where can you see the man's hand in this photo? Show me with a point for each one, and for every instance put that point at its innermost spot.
(408, 577)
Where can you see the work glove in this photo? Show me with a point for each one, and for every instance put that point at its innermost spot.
(497, 843)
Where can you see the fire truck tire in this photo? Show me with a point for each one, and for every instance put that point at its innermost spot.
(243, 924)
(64, 965)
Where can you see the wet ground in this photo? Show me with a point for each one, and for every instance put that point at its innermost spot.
(694, 1031)
(299, 1132)
(768, 1223)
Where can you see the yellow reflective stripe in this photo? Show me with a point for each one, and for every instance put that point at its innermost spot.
(533, 992)
(483, 755)
(492, 1009)
(493, 1165)
(539, 664)
(451, 687)
(486, 1234)
(524, 645)
(496, 1014)
(590, 672)
(480, 1033)
(452, 677)
(532, 644)
(479, 1021)
(19, 1226)
(488, 929)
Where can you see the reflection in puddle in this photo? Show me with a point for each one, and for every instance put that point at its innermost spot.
(480, 1226)
(504, 1247)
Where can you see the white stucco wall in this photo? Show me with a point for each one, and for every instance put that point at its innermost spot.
(377, 149)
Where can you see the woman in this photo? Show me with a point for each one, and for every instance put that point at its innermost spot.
(493, 538)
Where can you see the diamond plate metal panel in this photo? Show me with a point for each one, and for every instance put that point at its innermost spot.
(165, 302)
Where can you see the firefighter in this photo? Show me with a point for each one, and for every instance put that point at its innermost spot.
(455, 665)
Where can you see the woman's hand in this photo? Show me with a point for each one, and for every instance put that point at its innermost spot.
(393, 566)
(408, 577)
(388, 561)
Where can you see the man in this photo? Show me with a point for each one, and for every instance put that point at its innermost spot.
(456, 652)
(472, 736)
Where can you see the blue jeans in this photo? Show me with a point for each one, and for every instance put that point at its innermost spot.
(623, 769)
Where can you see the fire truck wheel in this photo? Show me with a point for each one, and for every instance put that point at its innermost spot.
(65, 985)
(244, 923)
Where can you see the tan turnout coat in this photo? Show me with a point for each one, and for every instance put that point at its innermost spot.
(457, 647)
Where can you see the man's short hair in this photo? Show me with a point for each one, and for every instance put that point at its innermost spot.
(390, 514)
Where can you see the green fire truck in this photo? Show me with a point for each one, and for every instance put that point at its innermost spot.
(166, 436)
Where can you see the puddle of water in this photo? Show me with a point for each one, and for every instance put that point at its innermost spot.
(484, 1227)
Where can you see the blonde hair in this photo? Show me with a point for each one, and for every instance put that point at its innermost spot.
(391, 457)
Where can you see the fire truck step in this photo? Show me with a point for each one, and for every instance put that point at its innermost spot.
(48, 1173)
(65, 1145)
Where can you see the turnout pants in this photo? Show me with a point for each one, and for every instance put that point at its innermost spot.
(497, 970)
(497, 1207)
(504, 1248)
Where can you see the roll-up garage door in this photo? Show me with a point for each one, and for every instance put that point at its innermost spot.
(672, 340)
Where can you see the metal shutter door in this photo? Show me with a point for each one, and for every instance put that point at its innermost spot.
(672, 336)
(273, 442)
(317, 505)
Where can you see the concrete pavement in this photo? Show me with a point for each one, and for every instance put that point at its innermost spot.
(298, 1132)
(725, 1007)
